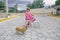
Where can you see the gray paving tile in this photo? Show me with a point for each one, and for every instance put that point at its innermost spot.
(45, 28)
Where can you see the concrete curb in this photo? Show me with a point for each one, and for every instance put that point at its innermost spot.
(4, 19)
(53, 16)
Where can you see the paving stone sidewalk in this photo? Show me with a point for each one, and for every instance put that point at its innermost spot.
(45, 28)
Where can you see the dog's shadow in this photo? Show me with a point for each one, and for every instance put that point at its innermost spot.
(19, 33)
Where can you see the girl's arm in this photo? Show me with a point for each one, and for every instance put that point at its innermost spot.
(32, 14)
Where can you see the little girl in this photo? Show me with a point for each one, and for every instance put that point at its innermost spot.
(29, 17)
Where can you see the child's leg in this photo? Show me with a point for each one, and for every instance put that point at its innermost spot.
(28, 23)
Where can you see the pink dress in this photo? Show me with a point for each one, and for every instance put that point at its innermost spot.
(29, 16)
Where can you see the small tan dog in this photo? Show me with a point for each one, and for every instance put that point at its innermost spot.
(22, 29)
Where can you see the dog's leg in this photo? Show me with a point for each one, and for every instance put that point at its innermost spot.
(17, 31)
(22, 32)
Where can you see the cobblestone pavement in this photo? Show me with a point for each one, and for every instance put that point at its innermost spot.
(45, 28)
